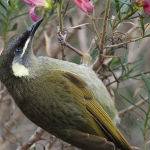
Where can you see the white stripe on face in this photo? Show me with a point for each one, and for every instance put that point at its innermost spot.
(25, 46)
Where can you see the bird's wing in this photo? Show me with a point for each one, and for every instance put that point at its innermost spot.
(95, 109)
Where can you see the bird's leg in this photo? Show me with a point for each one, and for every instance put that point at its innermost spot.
(86, 58)
(88, 141)
(62, 37)
(62, 40)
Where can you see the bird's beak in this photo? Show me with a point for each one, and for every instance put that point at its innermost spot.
(34, 27)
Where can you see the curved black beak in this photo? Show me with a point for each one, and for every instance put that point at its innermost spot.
(29, 33)
(34, 27)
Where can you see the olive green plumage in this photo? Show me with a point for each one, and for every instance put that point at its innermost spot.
(65, 99)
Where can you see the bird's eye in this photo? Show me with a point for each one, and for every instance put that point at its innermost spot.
(18, 51)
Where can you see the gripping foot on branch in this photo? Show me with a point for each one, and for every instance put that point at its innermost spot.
(62, 40)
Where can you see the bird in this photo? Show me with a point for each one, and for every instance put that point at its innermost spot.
(65, 99)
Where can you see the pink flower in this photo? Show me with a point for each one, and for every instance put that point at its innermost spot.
(145, 4)
(37, 3)
(85, 5)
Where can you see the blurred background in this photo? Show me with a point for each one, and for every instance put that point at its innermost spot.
(124, 69)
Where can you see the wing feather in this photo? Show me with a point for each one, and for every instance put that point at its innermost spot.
(95, 109)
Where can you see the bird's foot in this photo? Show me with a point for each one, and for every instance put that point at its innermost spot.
(62, 37)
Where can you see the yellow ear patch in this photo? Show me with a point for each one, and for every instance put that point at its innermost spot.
(19, 70)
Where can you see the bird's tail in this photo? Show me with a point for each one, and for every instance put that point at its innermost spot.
(108, 127)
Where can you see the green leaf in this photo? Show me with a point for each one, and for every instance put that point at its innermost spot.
(117, 5)
(3, 5)
(142, 24)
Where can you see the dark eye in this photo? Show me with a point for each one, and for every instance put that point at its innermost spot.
(18, 51)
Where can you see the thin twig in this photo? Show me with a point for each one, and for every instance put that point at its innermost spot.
(60, 6)
(20, 15)
(99, 60)
(73, 48)
(95, 28)
(129, 77)
(140, 74)
(105, 22)
(129, 41)
(78, 26)
(132, 107)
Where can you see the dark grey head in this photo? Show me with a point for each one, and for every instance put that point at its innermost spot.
(18, 47)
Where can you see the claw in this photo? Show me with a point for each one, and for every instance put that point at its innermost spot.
(62, 37)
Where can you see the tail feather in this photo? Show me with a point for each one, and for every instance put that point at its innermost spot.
(106, 124)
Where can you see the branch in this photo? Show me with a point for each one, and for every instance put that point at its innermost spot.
(62, 40)
(73, 48)
(33, 139)
(56, 48)
(127, 42)
(99, 60)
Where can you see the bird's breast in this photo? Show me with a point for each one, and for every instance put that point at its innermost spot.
(47, 106)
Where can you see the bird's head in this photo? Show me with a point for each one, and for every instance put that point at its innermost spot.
(14, 56)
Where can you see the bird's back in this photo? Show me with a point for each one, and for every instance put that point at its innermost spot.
(89, 77)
